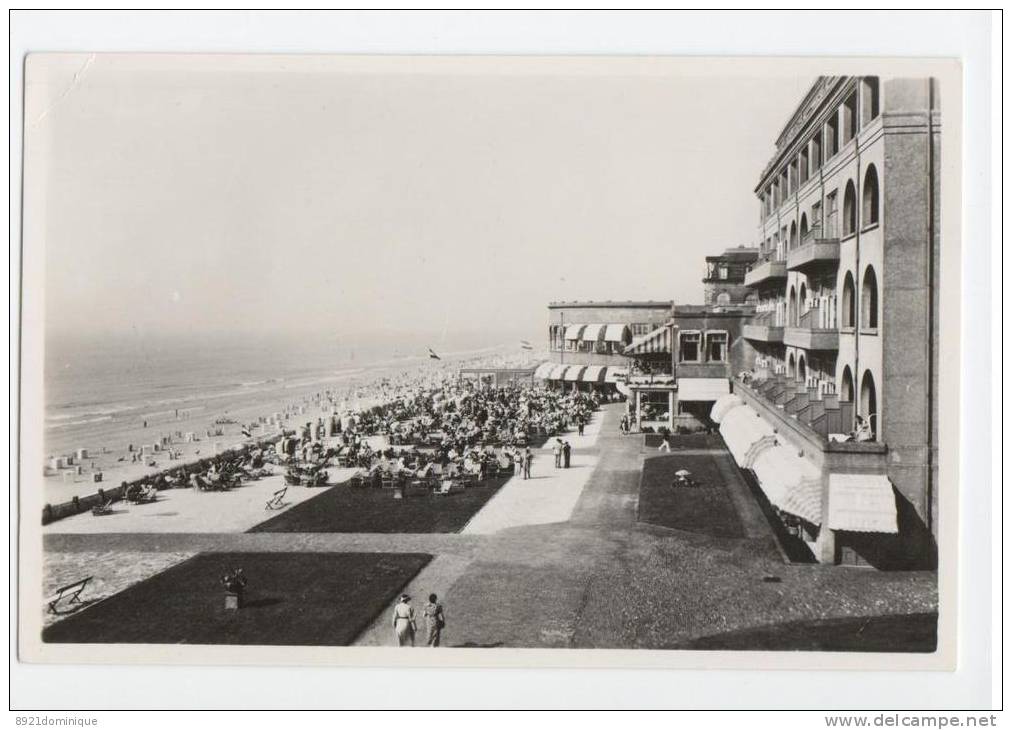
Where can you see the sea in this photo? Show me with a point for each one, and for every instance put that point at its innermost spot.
(92, 379)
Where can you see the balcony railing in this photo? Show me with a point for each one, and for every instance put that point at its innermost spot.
(816, 250)
(766, 272)
(811, 333)
(808, 411)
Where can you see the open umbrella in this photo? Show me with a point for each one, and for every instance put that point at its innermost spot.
(683, 473)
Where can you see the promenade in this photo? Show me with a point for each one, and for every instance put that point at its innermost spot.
(561, 560)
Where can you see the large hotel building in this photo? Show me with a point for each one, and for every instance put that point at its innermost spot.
(825, 334)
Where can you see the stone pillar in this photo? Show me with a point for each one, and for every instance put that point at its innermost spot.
(825, 543)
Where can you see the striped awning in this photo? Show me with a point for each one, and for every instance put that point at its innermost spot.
(593, 332)
(574, 331)
(614, 374)
(702, 389)
(861, 503)
(557, 371)
(657, 341)
(573, 373)
(723, 405)
(544, 370)
(790, 482)
(593, 374)
(617, 333)
(741, 427)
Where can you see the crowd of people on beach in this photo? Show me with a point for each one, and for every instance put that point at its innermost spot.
(449, 430)
(462, 428)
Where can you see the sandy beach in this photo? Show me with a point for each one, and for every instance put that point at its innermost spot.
(108, 441)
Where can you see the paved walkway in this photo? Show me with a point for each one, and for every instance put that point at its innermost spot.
(549, 495)
(559, 561)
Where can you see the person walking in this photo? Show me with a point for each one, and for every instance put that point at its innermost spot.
(557, 452)
(665, 443)
(566, 450)
(579, 425)
(404, 621)
(528, 458)
(435, 620)
(518, 461)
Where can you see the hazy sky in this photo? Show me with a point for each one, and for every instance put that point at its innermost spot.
(189, 199)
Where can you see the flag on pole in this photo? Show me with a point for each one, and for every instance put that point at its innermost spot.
(433, 355)
(525, 345)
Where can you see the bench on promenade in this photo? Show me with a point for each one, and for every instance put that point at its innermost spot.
(277, 501)
(70, 593)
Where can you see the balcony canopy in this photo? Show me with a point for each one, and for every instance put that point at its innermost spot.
(617, 333)
(741, 428)
(702, 389)
(573, 373)
(544, 370)
(862, 503)
(613, 374)
(790, 482)
(593, 374)
(574, 331)
(593, 332)
(722, 405)
(557, 372)
(658, 341)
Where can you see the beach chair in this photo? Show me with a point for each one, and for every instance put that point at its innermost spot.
(276, 502)
(69, 594)
(102, 509)
(448, 487)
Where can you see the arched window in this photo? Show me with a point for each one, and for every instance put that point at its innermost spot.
(723, 298)
(869, 402)
(794, 235)
(790, 365)
(869, 299)
(847, 311)
(792, 309)
(802, 300)
(849, 210)
(804, 227)
(802, 371)
(846, 385)
(869, 198)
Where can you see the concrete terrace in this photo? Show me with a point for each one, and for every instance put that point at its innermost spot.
(561, 561)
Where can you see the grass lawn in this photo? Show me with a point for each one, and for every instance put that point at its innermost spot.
(910, 633)
(318, 599)
(346, 509)
(706, 509)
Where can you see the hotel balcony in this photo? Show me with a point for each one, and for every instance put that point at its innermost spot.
(765, 273)
(763, 328)
(792, 408)
(811, 334)
(763, 333)
(814, 253)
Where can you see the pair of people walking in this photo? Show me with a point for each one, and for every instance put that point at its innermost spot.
(405, 627)
(562, 452)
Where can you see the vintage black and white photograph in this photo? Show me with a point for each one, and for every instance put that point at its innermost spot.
(447, 358)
